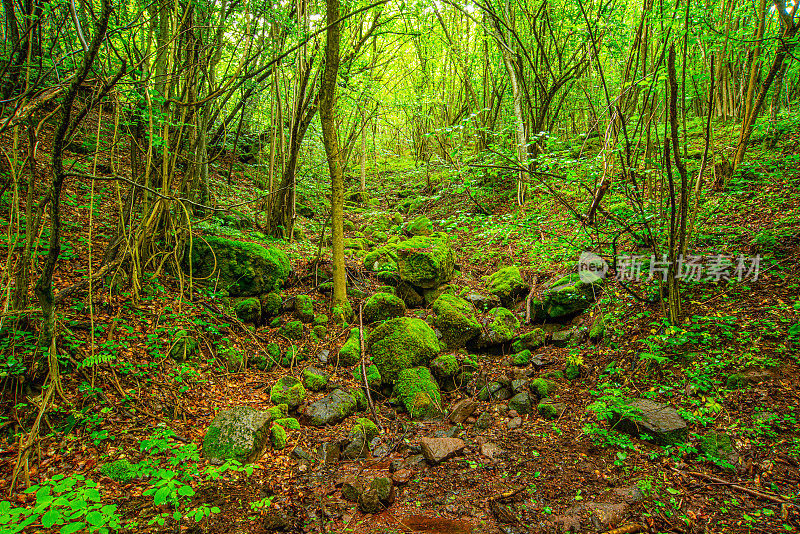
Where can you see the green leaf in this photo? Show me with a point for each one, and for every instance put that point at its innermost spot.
(96, 518)
(161, 496)
(186, 491)
(51, 518)
(72, 527)
(93, 495)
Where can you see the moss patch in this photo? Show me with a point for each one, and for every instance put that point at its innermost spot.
(400, 344)
(418, 392)
(455, 318)
(304, 308)
(507, 284)
(350, 353)
(288, 390)
(382, 307)
(120, 470)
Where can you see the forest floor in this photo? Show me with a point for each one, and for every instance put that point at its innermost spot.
(543, 475)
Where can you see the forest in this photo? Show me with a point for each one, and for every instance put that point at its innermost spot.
(400, 266)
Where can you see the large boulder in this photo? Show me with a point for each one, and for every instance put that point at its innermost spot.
(500, 325)
(569, 296)
(242, 269)
(659, 421)
(455, 318)
(425, 261)
(288, 390)
(421, 225)
(507, 284)
(239, 434)
(419, 393)
(383, 306)
(400, 344)
(332, 409)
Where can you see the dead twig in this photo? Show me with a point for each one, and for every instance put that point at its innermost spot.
(364, 365)
(749, 491)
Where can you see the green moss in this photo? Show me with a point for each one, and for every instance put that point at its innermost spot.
(185, 346)
(315, 380)
(503, 325)
(374, 379)
(387, 289)
(243, 269)
(120, 470)
(425, 262)
(402, 343)
(418, 392)
(522, 358)
(343, 313)
(598, 330)
(277, 435)
(304, 308)
(320, 319)
(553, 375)
(320, 331)
(529, 341)
(289, 423)
(455, 318)
(278, 412)
(350, 353)
(445, 366)
(292, 330)
(383, 306)
(543, 388)
(547, 410)
(366, 427)
(421, 225)
(572, 371)
(569, 295)
(735, 381)
(716, 445)
(248, 310)
(276, 322)
(507, 284)
(288, 390)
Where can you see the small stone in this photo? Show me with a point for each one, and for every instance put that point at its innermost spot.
(402, 476)
(470, 420)
(516, 422)
(490, 450)
(661, 421)
(377, 496)
(550, 410)
(521, 403)
(330, 452)
(299, 454)
(462, 410)
(513, 413)
(437, 450)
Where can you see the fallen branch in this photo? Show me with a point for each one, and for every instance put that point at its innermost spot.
(633, 528)
(754, 493)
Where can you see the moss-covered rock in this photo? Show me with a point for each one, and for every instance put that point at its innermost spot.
(419, 393)
(314, 379)
(278, 412)
(543, 388)
(342, 313)
(350, 353)
(242, 269)
(292, 330)
(521, 359)
(455, 318)
(304, 308)
(425, 262)
(529, 341)
(361, 434)
(717, 445)
(420, 225)
(288, 390)
(320, 319)
(445, 366)
(271, 304)
(598, 330)
(401, 343)
(289, 423)
(278, 437)
(292, 356)
(500, 325)
(550, 410)
(120, 470)
(507, 284)
(184, 347)
(237, 434)
(382, 307)
(248, 310)
(332, 409)
(374, 379)
(569, 295)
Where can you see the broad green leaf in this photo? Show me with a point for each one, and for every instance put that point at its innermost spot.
(51, 518)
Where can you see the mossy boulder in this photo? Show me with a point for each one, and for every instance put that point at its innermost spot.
(288, 390)
(550, 410)
(420, 225)
(445, 366)
(271, 305)
(374, 379)
(361, 434)
(248, 310)
(424, 261)
(500, 325)
(289, 423)
(569, 296)
(237, 434)
(278, 437)
(529, 341)
(332, 409)
(718, 446)
(400, 344)
(521, 359)
(507, 284)
(292, 330)
(314, 379)
(120, 470)
(242, 269)
(419, 393)
(304, 308)
(543, 388)
(455, 318)
(350, 353)
(382, 307)
(184, 347)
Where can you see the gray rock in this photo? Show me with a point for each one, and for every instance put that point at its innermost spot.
(461, 410)
(437, 450)
(378, 495)
(330, 452)
(332, 409)
(518, 385)
(323, 356)
(490, 450)
(495, 391)
(562, 337)
(238, 434)
(482, 303)
(484, 421)
(516, 422)
(660, 421)
(522, 403)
